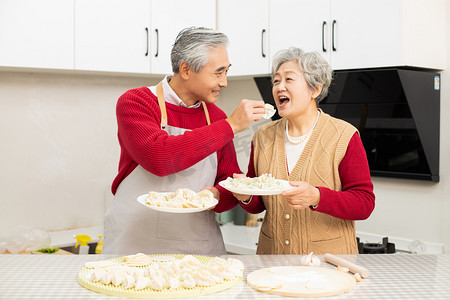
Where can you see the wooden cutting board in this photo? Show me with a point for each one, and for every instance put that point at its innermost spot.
(301, 281)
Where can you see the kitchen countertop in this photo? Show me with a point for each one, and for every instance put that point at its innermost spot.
(240, 239)
(393, 276)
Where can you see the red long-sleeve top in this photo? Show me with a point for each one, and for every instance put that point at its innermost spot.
(355, 201)
(143, 142)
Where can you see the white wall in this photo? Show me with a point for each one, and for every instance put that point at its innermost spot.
(58, 149)
(59, 154)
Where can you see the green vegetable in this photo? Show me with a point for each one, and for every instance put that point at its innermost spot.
(48, 250)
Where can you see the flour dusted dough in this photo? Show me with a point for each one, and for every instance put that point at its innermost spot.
(301, 281)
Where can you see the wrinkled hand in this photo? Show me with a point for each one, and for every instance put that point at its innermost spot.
(240, 197)
(302, 195)
(215, 192)
(245, 113)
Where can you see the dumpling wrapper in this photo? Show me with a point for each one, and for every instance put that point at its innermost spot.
(270, 111)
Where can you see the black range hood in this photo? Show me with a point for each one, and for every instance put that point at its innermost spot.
(397, 112)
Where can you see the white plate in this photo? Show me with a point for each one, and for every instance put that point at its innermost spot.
(143, 198)
(258, 192)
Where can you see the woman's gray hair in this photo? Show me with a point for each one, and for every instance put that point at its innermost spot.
(192, 46)
(315, 68)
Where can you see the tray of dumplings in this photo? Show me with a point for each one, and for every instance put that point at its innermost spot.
(161, 276)
(265, 184)
(180, 201)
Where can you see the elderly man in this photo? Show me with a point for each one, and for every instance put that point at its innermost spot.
(173, 136)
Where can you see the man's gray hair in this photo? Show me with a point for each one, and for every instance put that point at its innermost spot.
(192, 46)
(315, 68)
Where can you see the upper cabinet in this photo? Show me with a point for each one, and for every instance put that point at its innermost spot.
(137, 36)
(33, 35)
(112, 35)
(246, 23)
(168, 18)
(298, 23)
(371, 34)
(388, 33)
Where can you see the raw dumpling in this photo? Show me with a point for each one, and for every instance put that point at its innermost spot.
(142, 283)
(128, 282)
(98, 274)
(270, 111)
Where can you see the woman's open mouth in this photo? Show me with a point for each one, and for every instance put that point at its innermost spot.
(283, 100)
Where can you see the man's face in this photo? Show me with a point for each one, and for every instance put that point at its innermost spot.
(206, 84)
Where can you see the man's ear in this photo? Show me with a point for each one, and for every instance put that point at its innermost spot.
(185, 70)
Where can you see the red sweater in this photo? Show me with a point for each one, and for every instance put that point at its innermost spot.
(143, 142)
(356, 201)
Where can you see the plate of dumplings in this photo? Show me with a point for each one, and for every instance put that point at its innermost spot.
(180, 201)
(262, 185)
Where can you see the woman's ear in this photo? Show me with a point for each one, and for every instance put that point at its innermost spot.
(316, 92)
(184, 70)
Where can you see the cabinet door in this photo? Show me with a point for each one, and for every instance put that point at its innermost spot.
(32, 35)
(367, 35)
(168, 18)
(246, 23)
(112, 35)
(300, 23)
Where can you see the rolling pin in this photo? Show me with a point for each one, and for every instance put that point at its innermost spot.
(354, 268)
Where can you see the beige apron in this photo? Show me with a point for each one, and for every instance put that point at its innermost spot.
(131, 228)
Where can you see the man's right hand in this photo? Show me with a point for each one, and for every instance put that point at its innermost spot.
(247, 112)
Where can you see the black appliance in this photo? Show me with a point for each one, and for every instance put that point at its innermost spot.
(376, 248)
(397, 112)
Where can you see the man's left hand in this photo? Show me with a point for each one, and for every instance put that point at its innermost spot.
(215, 192)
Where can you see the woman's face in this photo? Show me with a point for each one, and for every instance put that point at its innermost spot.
(291, 92)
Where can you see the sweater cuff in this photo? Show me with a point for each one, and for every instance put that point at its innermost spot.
(226, 201)
(225, 127)
(254, 206)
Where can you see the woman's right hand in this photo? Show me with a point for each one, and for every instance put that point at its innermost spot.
(240, 197)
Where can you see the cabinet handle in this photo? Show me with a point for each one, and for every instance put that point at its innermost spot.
(157, 42)
(323, 36)
(146, 32)
(262, 43)
(332, 35)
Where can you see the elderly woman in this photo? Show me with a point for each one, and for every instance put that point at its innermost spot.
(322, 157)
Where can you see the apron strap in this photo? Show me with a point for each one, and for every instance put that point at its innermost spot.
(205, 109)
(162, 106)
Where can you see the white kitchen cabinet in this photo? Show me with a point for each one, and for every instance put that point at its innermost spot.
(246, 23)
(32, 35)
(168, 18)
(298, 23)
(363, 33)
(112, 35)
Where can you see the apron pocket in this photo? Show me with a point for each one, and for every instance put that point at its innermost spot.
(194, 227)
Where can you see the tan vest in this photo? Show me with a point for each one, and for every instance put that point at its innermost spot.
(288, 231)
